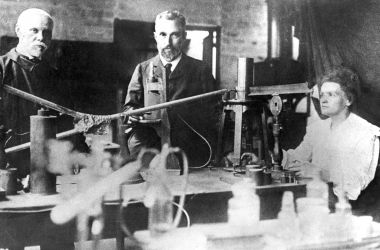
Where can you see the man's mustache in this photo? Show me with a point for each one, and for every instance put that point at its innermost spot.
(41, 44)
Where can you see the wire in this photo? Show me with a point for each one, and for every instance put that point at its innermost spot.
(21, 133)
(204, 139)
(123, 225)
(11, 136)
(184, 212)
(6, 142)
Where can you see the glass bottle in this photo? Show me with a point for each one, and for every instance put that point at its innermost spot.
(244, 206)
(343, 218)
(288, 229)
(159, 201)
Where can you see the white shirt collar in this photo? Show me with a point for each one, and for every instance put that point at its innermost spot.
(174, 63)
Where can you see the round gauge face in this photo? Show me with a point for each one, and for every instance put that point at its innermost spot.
(275, 105)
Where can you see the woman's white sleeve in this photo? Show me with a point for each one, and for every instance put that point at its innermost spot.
(303, 152)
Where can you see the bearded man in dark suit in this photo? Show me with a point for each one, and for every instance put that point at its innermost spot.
(172, 75)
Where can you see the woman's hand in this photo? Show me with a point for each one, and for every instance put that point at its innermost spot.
(304, 169)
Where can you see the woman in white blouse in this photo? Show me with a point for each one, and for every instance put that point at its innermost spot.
(344, 146)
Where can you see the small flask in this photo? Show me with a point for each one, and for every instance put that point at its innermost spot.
(288, 229)
(287, 207)
(344, 218)
(159, 201)
(343, 206)
(244, 206)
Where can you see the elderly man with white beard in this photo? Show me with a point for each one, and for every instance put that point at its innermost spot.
(24, 68)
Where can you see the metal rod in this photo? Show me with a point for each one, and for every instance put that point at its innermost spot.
(76, 114)
(41, 101)
(27, 145)
(283, 89)
(169, 104)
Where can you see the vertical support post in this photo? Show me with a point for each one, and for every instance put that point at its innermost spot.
(245, 80)
(267, 157)
(269, 21)
(277, 153)
(238, 109)
(219, 149)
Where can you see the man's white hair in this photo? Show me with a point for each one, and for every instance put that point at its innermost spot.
(28, 13)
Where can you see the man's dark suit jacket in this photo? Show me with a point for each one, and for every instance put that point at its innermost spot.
(190, 77)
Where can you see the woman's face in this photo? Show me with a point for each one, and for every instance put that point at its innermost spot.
(333, 99)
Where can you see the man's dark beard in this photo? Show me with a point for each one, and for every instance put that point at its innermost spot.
(169, 54)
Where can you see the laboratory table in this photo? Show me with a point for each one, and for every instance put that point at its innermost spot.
(25, 221)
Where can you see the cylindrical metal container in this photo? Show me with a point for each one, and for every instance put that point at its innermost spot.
(245, 77)
(255, 172)
(288, 176)
(267, 174)
(8, 180)
(42, 128)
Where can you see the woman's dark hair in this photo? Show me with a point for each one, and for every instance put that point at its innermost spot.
(347, 79)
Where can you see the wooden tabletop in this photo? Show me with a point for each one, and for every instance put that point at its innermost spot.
(204, 181)
(199, 182)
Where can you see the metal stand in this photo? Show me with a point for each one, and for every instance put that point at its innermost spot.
(275, 106)
(253, 98)
(239, 106)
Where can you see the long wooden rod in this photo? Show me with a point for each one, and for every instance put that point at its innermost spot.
(76, 114)
(41, 101)
(171, 103)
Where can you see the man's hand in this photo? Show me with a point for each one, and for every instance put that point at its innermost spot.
(140, 119)
(134, 119)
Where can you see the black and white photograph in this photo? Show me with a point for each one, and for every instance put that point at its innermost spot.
(189, 124)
